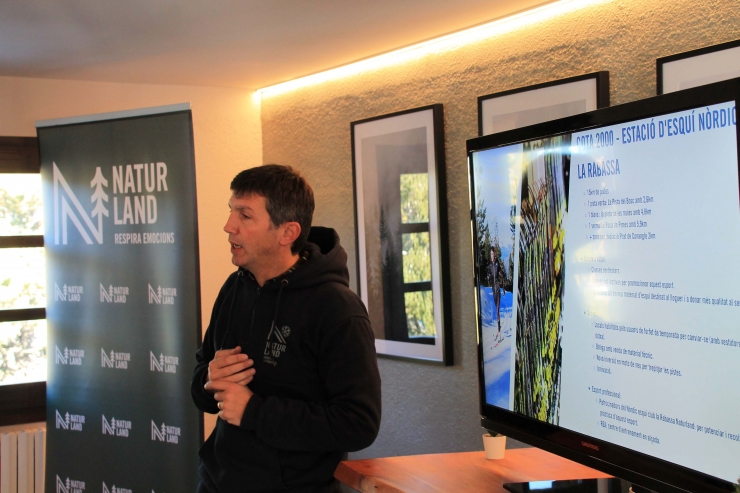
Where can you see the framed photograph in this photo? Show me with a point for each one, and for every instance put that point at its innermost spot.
(539, 103)
(698, 67)
(401, 228)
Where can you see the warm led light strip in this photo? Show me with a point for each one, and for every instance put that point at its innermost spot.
(433, 46)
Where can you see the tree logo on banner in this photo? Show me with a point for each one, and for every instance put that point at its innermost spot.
(109, 427)
(105, 360)
(69, 486)
(115, 360)
(61, 357)
(71, 422)
(165, 433)
(162, 296)
(115, 489)
(71, 357)
(60, 294)
(77, 214)
(166, 364)
(116, 427)
(62, 422)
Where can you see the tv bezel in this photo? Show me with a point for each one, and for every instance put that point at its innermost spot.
(645, 470)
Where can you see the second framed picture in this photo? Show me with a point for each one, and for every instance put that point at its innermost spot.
(698, 67)
(401, 227)
(539, 103)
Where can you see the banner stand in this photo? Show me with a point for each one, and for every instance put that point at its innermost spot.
(123, 301)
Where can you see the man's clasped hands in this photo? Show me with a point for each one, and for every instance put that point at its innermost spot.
(229, 373)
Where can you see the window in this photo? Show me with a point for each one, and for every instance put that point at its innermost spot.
(416, 252)
(22, 284)
(405, 243)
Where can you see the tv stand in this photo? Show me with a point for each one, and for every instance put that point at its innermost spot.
(458, 472)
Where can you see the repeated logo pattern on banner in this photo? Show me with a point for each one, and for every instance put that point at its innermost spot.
(123, 310)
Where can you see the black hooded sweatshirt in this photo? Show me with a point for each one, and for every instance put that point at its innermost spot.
(316, 386)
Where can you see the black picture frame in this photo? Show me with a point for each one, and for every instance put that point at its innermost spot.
(566, 92)
(709, 56)
(390, 153)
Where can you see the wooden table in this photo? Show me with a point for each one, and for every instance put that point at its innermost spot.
(457, 472)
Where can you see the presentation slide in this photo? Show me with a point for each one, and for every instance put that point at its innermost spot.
(636, 280)
(651, 339)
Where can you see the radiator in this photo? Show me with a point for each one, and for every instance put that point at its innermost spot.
(22, 461)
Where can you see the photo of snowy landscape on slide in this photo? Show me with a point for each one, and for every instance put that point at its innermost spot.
(497, 174)
(543, 207)
(520, 205)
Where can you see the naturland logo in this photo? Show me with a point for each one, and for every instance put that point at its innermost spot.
(69, 486)
(276, 344)
(63, 210)
(165, 433)
(116, 427)
(162, 296)
(115, 489)
(69, 422)
(135, 207)
(114, 360)
(114, 294)
(68, 293)
(166, 364)
(72, 357)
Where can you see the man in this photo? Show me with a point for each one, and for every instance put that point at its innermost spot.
(288, 361)
(499, 280)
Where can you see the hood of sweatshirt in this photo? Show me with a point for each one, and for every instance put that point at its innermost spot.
(325, 261)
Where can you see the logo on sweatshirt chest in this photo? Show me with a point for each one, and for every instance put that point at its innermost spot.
(277, 343)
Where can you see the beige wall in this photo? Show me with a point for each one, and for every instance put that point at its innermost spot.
(226, 128)
(429, 408)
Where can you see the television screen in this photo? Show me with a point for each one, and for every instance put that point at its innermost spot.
(608, 286)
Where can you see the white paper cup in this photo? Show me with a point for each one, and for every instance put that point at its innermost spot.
(495, 446)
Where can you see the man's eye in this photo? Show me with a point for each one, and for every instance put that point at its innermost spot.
(245, 216)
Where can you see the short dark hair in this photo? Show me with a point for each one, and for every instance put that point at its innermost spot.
(288, 196)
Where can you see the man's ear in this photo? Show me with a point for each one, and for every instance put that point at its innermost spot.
(291, 232)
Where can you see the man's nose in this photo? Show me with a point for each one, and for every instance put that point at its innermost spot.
(229, 227)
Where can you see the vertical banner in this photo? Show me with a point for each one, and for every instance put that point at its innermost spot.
(123, 301)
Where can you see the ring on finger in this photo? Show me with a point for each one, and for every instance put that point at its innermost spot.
(220, 405)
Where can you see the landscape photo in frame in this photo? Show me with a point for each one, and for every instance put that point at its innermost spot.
(400, 210)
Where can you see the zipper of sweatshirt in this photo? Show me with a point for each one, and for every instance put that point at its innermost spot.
(234, 289)
(254, 309)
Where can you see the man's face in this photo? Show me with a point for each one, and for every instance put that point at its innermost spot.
(254, 240)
